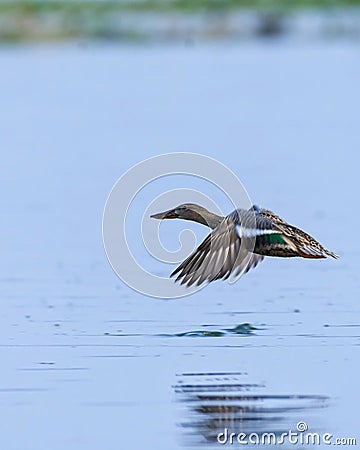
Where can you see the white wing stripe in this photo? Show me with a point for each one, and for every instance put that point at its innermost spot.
(253, 232)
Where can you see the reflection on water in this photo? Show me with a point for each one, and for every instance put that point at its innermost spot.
(243, 329)
(213, 402)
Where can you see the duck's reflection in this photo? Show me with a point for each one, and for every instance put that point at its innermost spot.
(217, 404)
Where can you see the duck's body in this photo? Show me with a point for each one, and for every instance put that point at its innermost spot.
(239, 242)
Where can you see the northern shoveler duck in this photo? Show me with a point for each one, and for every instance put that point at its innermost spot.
(239, 242)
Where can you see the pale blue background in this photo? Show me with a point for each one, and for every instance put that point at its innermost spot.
(285, 118)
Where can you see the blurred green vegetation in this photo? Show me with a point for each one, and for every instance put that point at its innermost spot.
(33, 6)
(56, 19)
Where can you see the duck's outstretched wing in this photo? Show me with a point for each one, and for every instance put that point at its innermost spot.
(218, 256)
(288, 240)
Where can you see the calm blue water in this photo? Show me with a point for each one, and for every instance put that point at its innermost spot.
(87, 363)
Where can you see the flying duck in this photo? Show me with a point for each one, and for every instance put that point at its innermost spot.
(239, 242)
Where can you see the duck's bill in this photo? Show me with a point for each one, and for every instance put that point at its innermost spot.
(165, 215)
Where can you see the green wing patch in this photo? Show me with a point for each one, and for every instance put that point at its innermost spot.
(266, 240)
(275, 238)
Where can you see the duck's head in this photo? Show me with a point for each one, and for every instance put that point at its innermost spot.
(190, 211)
(183, 211)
